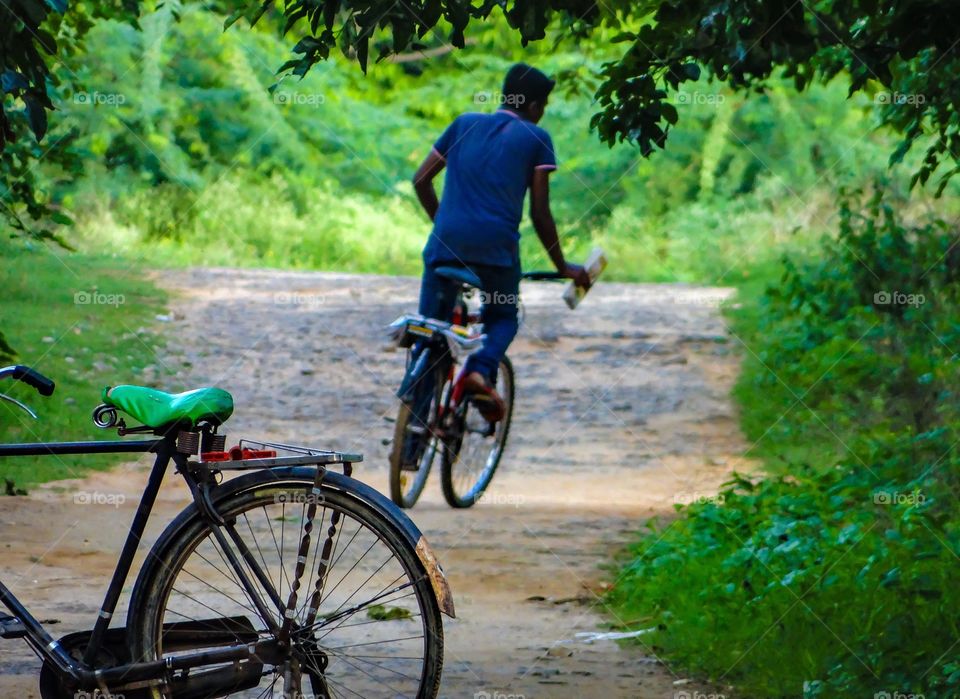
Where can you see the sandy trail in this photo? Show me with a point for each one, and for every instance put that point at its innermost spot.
(622, 410)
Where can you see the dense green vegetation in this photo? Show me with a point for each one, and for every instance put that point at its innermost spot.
(187, 156)
(86, 322)
(829, 573)
(904, 48)
(832, 577)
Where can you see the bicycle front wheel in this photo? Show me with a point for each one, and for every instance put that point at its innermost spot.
(377, 631)
(406, 486)
(474, 447)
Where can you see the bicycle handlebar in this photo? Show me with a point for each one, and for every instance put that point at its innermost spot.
(30, 377)
(544, 276)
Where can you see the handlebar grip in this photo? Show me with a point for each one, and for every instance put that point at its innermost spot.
(543, 276)
(34, 378)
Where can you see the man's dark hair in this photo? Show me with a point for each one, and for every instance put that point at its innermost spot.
(525, 84)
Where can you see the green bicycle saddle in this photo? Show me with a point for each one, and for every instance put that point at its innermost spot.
(155, 408)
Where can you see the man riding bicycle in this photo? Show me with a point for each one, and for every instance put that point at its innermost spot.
(491, 161)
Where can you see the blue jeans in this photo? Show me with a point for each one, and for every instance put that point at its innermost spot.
(501, 288)
(501, 294)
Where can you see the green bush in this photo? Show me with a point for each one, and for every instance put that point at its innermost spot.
(835, 576)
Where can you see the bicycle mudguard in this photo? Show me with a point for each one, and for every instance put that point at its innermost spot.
(352, 488)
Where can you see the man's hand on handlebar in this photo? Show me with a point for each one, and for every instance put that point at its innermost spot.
(578, 274)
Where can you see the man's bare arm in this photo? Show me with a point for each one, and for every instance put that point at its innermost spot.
(432, 165)
(546, 228)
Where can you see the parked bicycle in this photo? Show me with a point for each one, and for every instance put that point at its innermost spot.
(436, 417)
(290, 580)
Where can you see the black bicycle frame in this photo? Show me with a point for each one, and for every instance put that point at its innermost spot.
(84, 673)
(165, 449)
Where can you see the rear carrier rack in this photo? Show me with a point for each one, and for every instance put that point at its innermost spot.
(407, 329)
(249, 454)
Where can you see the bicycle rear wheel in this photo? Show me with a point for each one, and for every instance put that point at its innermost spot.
(377, 632)
(406, 486)
(472, 452)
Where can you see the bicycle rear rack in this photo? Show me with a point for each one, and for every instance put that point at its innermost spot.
(297, 456)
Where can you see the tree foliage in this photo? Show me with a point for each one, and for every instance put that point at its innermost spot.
(905, 47)
(900, 52)
(35, 35)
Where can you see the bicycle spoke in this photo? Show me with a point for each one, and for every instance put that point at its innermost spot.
(473, 447)
(364, 623)
(379, 597)
(344, 658)
(332, 681)
(232, 577)
(371, 676)
(352, 568)
(256, 541)
(269, 688)
(284, 580)
(251, 609)
(357, 607)
(364, 583)
(373, 643)
(347, 626)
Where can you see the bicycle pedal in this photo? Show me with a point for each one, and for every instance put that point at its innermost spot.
(12, 627)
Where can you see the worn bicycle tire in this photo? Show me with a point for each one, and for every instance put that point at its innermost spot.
(409, 499)
(452, 450)
(185, 533)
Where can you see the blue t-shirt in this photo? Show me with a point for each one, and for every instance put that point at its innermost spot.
(490, 159)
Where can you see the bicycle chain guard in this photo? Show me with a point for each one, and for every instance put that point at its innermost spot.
(178, 636)
(113, 652)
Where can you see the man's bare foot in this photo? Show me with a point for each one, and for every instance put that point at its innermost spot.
(484, 396)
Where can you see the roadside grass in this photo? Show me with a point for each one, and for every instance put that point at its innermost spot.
(84, 321)
(767, 400)
(831, 574)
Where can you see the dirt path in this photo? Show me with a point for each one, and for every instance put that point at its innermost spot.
(622, 410)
